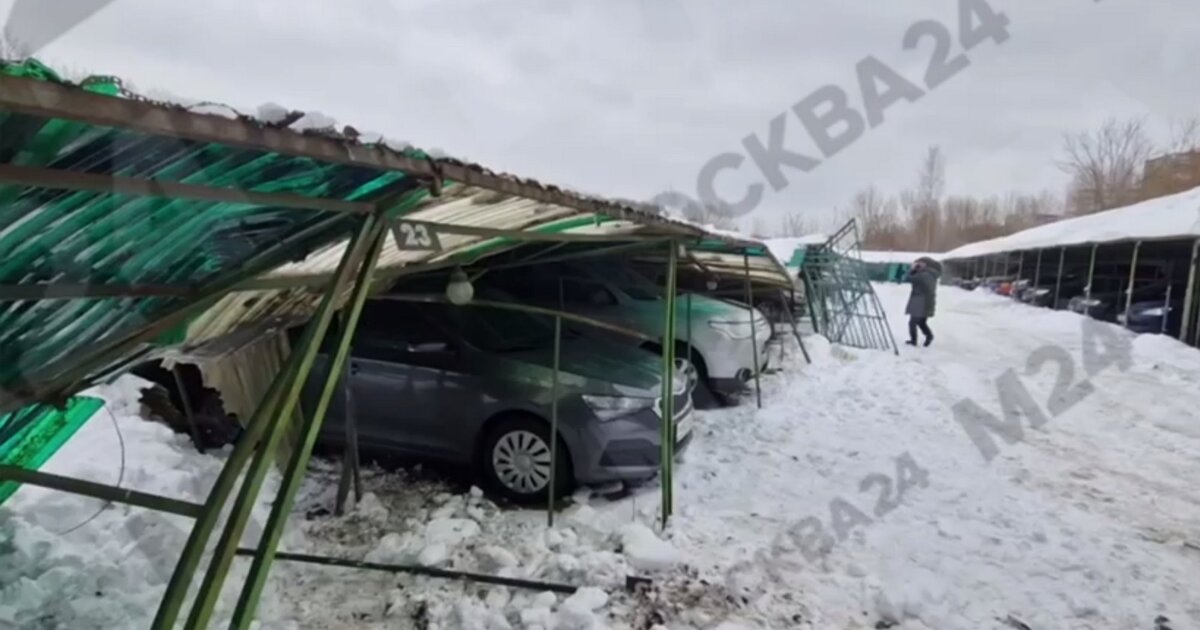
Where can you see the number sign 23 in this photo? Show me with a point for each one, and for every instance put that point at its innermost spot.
(412, 235)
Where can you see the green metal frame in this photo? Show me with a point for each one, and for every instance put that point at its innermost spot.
(753, 331)
(668, 391)
(262, 434)
(842, 303)
(256, 579)
(101, 491)
(255, 450)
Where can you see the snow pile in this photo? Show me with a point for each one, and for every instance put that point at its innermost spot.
(314, 121)
(58, 569)
(1165, 217)
(646, 551)
(853, 499)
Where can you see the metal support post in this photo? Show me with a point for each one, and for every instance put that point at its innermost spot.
(1037, 272)
(1166, 308)
(554, 418)
(263, 421)
(1091, 275)
(1189, 294)
(1062, 255)
(668, 391)
(753, 329)
(351, 473)
(1137, 247)
(189, 560)
(688, 307)
(298, 463)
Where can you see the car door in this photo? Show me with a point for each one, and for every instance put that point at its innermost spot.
(407, 381)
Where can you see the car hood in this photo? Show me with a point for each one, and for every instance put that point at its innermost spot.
(627, 369)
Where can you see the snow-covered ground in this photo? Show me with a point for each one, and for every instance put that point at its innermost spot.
(853, 499)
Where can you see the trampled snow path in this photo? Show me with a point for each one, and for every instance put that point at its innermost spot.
(1082, 525)
(1085, 523)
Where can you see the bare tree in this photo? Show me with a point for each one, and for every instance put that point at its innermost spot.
(877, 221)
(794, 224)
(759, 229)
(1105, 165)
(923, 204)
(718, 215)
(11, 47)
(1185, 135)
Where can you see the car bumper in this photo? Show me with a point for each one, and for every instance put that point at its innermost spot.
(630, 448)
(730, 362)
(1141, 324)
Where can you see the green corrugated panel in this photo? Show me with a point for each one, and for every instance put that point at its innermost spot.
(93, 238)
(798, 256)
(29, 437)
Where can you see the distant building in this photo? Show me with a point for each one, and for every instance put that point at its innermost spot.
(1170, 174)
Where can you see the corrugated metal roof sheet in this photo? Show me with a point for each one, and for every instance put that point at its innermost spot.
(147, 207)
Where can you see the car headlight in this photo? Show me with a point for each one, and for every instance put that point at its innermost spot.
(733, 330)
(1154, 312)
(611, 407)
(1089, 303)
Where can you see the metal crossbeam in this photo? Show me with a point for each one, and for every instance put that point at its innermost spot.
(59, 179)
(100, 491)
(46, 99)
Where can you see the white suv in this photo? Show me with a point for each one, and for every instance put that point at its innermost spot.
(611, 291)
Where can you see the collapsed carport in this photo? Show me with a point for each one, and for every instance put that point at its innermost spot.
(1149, 248)
(132, 230)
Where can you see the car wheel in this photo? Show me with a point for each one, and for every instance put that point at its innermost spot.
(703, 396)
(516, 461)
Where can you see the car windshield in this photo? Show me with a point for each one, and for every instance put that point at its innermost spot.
(504, 330)
(632, 283)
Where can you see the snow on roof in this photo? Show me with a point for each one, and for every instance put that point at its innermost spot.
(783, 248)
(873, 256)
(1162, 218)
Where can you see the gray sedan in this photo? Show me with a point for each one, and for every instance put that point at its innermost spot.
(473, 385)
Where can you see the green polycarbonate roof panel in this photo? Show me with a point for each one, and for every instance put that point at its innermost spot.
(54, 237)
(29, 436)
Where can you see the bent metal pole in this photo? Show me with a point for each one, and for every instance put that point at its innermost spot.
(262, 421)
(260, 567)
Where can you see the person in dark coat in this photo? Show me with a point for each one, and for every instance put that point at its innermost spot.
(922, 302)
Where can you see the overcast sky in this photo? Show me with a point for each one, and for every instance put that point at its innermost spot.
(631, 97)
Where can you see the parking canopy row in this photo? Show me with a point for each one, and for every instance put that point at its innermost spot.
(133, 230)
(1136, 266)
